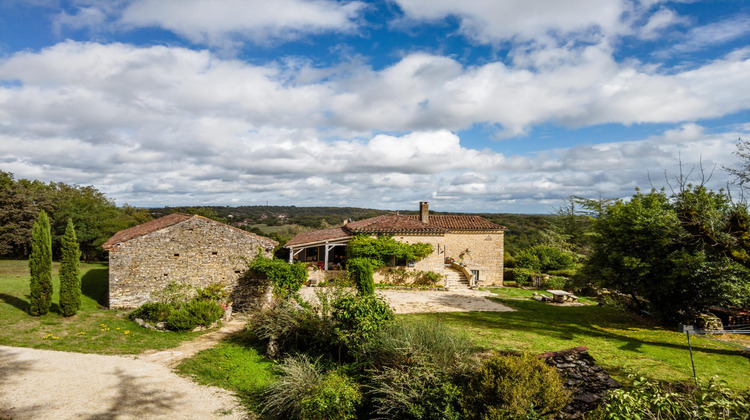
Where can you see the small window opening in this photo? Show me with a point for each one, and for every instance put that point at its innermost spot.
(215, 253)
(176, 255)
(236, 271)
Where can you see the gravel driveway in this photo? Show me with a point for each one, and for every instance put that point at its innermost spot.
(46, 384)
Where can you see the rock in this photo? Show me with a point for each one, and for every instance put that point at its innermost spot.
(587, 381)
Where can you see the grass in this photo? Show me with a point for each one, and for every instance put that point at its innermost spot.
(620, 342)
(234, 364)
(94, 329)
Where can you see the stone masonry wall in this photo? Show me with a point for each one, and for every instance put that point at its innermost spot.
(485, 254)
(196, 252)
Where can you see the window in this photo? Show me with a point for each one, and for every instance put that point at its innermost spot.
(176, 255)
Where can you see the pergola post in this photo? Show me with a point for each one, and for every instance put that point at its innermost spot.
(325, 264)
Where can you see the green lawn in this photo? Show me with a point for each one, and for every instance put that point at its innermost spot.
(235, 364)
(94, 329)
(620, 342)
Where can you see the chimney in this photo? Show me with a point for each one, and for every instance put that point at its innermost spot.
(424, 212)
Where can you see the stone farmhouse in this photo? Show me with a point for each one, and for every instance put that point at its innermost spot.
(468, 249)
(184, 248)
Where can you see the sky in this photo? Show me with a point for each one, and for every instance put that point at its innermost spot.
(500, 106)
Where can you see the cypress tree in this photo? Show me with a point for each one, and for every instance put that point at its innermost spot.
(70, 283)
(40, 266)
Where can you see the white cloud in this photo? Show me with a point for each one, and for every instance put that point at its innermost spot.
(494, 21)
(713, 34)
(660, 20)
(222, 23)
(163, 125)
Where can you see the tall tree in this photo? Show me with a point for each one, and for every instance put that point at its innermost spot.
(40, 266)
(643, 249)
(70, 283)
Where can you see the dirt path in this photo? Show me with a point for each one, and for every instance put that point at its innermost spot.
(172, 357)
(45, 384)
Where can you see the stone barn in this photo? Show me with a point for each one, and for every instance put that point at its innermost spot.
(184, 248)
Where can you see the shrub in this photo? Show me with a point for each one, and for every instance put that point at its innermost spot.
(70, 283)
(214, 292)
(416, 365)
(193, 314)
(653, 400)
(298, 376)
(40, 266)
(406, 341)
(357, 318)
(428, 278)
(174, 294)
(285, 278)
(414, 392)
(152, 312)
(336, 396)
(289, 328)
(361, 271)
(566, 272)
(522, 276)
(507, 386)
(559, 283)
(543, 258)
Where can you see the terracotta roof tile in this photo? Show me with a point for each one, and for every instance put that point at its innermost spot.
(459, 222)
(145, 228)
(392, 223)
(319, 236)
(161, 223)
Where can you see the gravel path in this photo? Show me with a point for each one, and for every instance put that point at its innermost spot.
(409, 301)
(46, 384)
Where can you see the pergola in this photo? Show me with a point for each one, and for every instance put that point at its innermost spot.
(328, 239)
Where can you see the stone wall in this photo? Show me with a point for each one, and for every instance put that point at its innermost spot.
(196, 252)
(587, 381)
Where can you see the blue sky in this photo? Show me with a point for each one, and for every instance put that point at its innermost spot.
(491, 106)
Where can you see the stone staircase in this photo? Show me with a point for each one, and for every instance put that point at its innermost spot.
(456, 279)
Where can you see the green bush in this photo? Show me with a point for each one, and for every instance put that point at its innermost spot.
(174, 294)
(70, 282)
(335, 397)
(415, 366)
(406, 341)
(214, 292)
(152, 312)
(507, 386)
(40, 266)
(522, 276)
(357, 318)
(428, 278)
(298, 376)
(193, 314)
(543, 258)
(653, 400)
(414, 392)
(285, 278)
(566, 272)
(361, 271)
(292, 329)
(558, 283)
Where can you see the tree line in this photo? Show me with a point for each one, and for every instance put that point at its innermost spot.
(95, 217)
